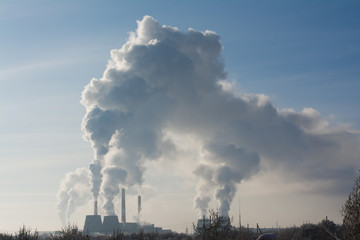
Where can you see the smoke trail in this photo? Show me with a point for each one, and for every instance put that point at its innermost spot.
(238, 164)
(121, 169)
(95, 177)
(114, 176)
(73, 192)
(98, 127)
(228, 165)
(162, 81)
(204, 189)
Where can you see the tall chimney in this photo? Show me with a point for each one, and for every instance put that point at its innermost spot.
(95, 206)
(123, 209)
(139, 206)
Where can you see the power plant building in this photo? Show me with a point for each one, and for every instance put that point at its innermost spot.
(111, 224)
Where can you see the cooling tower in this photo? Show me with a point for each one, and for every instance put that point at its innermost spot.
(111, 224)
(123, 208)
(92, 224)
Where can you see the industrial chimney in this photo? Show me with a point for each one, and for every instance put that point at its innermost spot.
(139, 207)
(95, 206)
(123, 209)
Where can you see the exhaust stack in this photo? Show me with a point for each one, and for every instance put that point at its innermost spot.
(139, 207)
(95, 207)
(123, 209)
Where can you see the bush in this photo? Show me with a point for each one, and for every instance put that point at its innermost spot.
(27, 234)
(70, 232)
(5, 236)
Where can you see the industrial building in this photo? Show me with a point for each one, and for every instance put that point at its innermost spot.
(203, 222)
(110, 224)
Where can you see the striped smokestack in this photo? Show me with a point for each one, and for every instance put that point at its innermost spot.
(123, 208)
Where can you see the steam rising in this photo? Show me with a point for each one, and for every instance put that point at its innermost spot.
(165, 81)
(73, 192)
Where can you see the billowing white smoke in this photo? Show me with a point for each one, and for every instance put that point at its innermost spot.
(166, 81)
(73, 192)
(98, 127)
(152, 83)
(96, 177)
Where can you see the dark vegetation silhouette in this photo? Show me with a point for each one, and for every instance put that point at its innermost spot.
(24, 233)
(70, 232)
(27, 234)
(219, 229)
(325, 230)
(351, 213)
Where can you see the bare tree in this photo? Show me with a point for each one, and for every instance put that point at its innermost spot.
(219, 227)
(351, 213)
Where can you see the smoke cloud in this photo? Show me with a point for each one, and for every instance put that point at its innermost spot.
(159, 73)
(164, 82)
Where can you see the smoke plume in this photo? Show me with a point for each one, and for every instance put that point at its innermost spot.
(73, 192)
(164, 82)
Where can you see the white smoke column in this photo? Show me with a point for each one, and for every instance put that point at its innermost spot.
(238, 164)
(73, 192)
(122, 169)
(114, 177)
(227, 166)
(95, 178)
(164, 80)
(204, 189)
(98, 127)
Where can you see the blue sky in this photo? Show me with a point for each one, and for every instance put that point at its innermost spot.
(299, 53)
